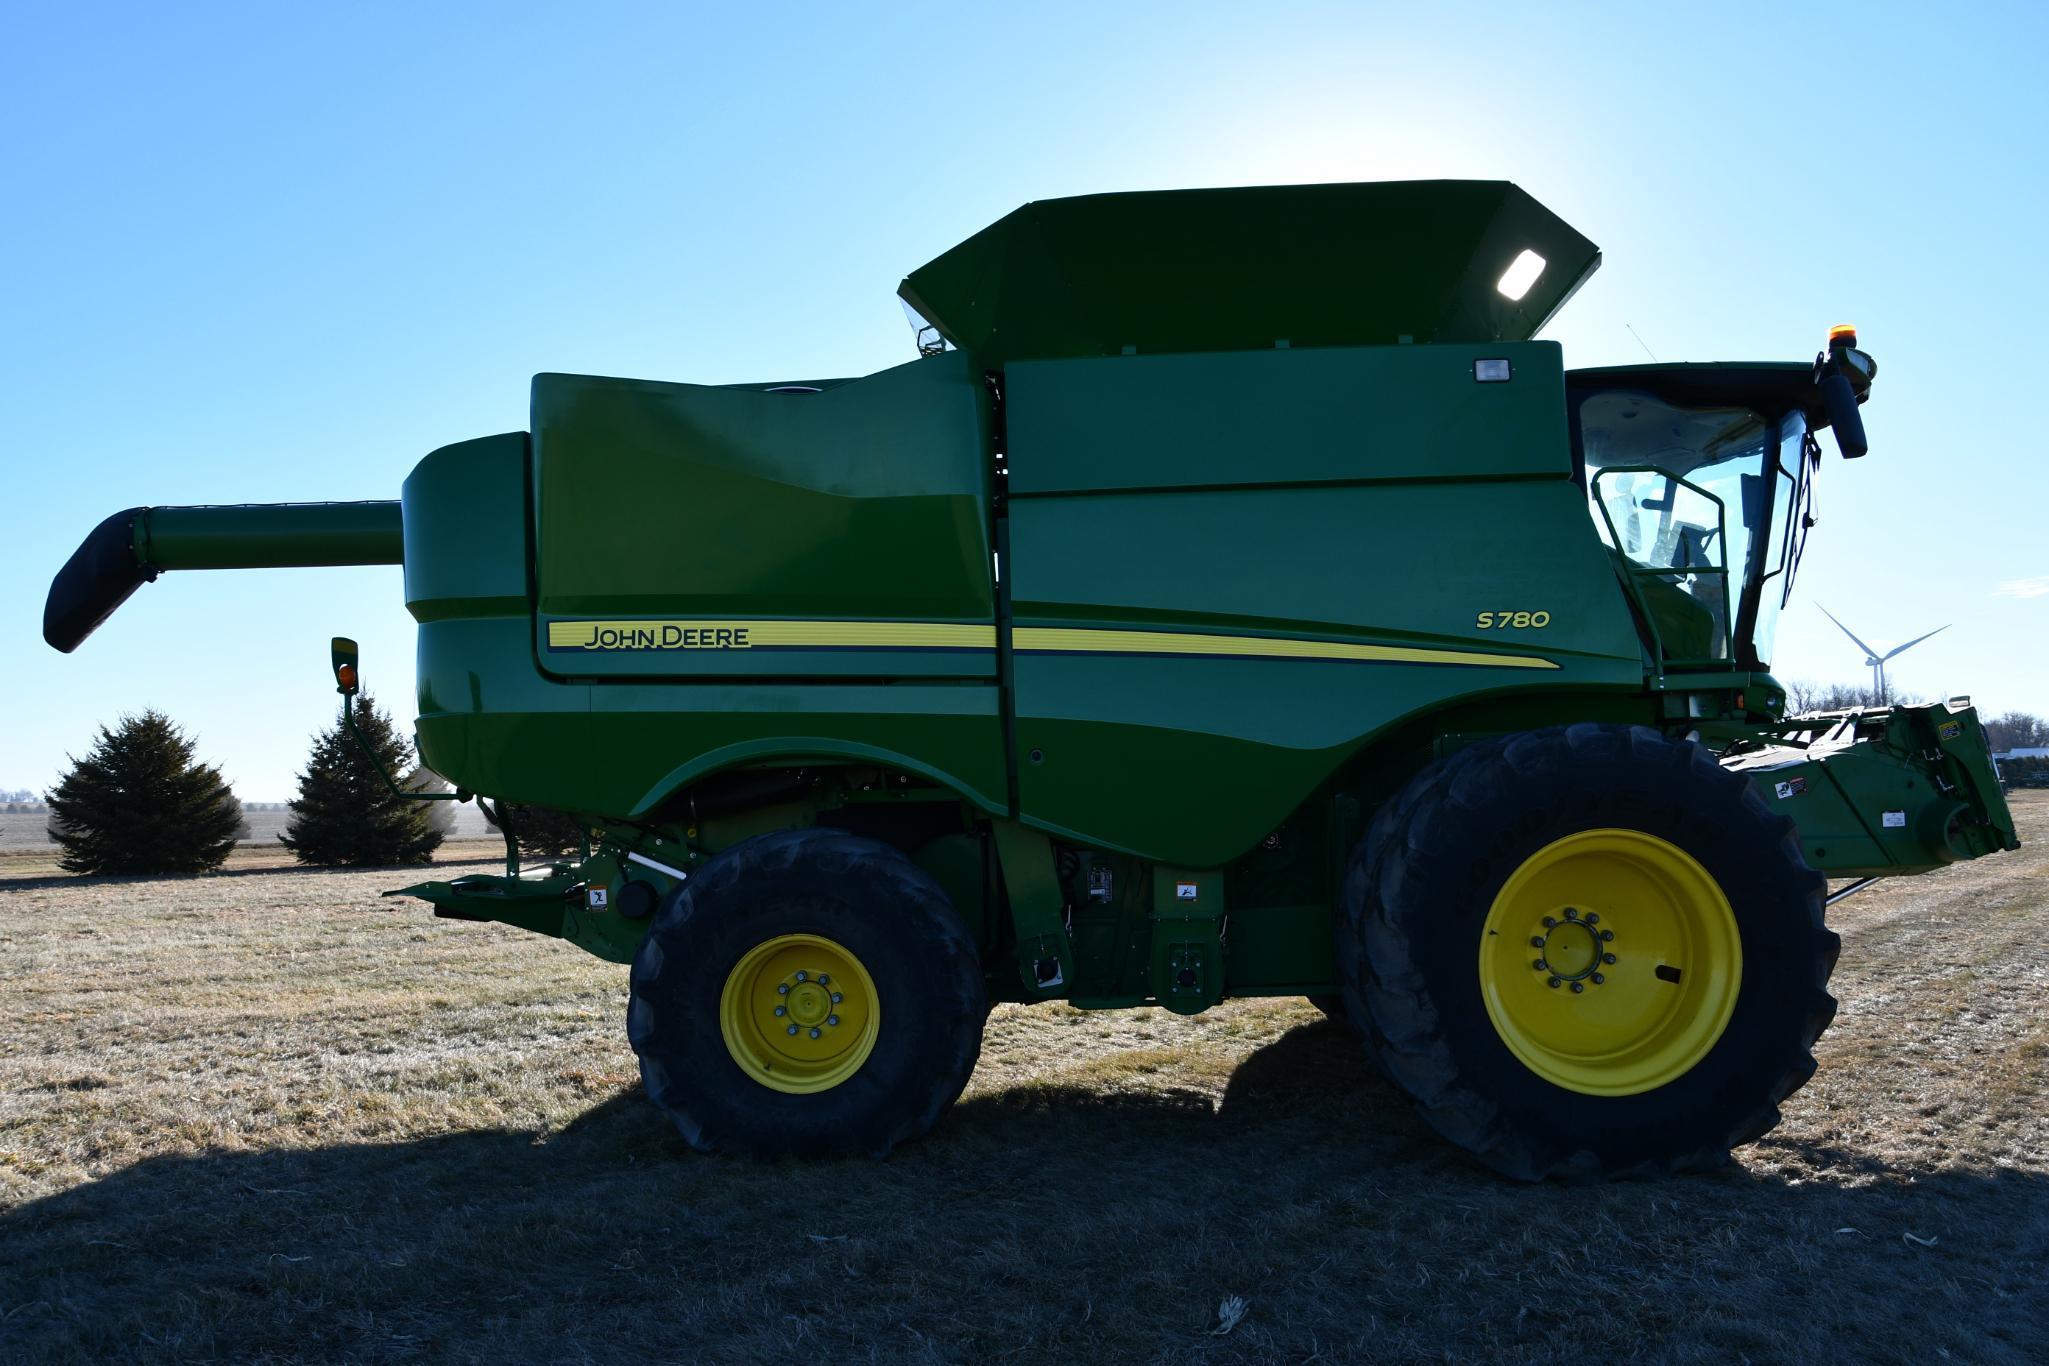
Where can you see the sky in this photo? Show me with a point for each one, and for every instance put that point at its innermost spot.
(274, 253)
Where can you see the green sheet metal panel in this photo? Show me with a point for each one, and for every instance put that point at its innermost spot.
(1228, 269)
(1236, 568)
(490, 720)
(466, 530)
(1294, 416)
(692, 531)
(1247, 640)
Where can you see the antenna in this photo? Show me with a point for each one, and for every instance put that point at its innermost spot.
(1874, 659)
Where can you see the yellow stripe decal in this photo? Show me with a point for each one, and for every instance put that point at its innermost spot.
(700, 634)
(1068, 640)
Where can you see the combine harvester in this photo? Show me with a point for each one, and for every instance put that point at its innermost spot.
(1231, 600)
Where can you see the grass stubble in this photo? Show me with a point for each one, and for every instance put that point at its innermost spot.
(275, 1116)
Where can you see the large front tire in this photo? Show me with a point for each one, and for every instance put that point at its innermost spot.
(807, 992)
(1588, 951)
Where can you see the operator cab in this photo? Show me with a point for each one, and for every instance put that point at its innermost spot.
(1700, 481)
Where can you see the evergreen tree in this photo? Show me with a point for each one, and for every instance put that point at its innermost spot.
(139, 804)
(345, 816)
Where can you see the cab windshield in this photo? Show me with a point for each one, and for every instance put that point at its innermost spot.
(1685, 497)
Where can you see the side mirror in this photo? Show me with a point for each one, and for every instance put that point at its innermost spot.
(344, 657)
(1839, 400)
(346, 683)
(1844, 376)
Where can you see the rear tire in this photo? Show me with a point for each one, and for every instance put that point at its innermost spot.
(1659, 1058)
(807, 992)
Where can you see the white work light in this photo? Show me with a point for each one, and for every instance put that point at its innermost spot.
(1522, 272)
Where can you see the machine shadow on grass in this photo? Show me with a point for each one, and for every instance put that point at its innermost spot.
(1314, 1079)
(1035, 1217)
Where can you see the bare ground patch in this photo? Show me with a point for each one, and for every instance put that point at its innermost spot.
(274, 1116)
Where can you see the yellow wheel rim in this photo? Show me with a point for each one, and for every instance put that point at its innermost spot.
(799, 1013)
(1610, 962)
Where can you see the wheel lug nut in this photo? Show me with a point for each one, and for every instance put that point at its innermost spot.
(823, 979)
(1550, 922)
(781, 1011)
(814, 1033)
(1541, 966)
(1536, 941)
(782, 989)
(832, 1019)
(793, 1029)
(1578, 987)
(1598, 979)
(1572, 912)
(1593, 919)
(800, 974)
(837, 998)
(1607, 935)
(1608, 958)
(1555, 982)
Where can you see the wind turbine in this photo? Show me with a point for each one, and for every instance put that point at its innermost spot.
(1874, 658)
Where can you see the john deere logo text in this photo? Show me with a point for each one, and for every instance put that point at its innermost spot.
(652, 635)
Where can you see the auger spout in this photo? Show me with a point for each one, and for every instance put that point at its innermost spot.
(130, 548)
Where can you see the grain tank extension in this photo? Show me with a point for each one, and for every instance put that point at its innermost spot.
(1231, 599)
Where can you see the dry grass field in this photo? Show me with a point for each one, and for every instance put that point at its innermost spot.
(273, 1116)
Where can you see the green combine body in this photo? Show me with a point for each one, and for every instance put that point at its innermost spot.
(1221, 550)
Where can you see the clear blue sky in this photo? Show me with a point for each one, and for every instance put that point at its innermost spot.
(280, 252)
